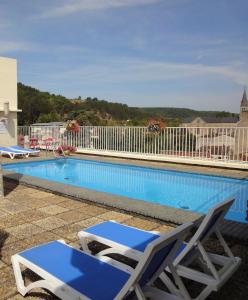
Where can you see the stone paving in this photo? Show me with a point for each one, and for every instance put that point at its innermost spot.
(30, 216)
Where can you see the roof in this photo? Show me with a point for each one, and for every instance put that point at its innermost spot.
(49, 124)
(244, 101)
(213, 119)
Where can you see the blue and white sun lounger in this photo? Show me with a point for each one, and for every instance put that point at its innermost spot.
(72, 274)
(29, 151)
(131, 242)
(12, 153)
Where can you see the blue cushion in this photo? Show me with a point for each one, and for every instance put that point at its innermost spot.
(9, 150)
(181, 248)
(86, 274)
(124, 235)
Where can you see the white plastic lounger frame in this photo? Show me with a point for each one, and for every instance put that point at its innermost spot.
(85, 237)
(13, 153)
(211, 277)
(65, 292)
(194, 250)
(24, 150)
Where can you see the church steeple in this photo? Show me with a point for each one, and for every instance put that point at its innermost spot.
(244, 102)
(243, 117)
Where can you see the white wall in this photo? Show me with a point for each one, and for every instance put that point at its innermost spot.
(8, 93)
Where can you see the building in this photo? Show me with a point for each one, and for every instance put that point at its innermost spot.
(8, 101)
(241, 121)
(243, 117)
(221, 137)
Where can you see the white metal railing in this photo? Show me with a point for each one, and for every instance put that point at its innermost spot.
(225, 144)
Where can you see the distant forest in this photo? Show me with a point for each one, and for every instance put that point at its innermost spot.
(44, 107)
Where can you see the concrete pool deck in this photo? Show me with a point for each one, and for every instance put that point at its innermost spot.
(29, 216)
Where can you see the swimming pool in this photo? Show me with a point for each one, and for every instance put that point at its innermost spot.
(188, 191)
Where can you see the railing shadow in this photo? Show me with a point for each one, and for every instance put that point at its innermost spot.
(10, 185)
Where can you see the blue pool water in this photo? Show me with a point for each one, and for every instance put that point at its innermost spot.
(187, 191)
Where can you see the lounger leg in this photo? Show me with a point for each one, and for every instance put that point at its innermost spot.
(84, 245)
(22, 289)
(18, 276)
(138, 291)
(183, 291)
(168, 283)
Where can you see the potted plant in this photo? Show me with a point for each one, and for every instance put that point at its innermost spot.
(72, 125)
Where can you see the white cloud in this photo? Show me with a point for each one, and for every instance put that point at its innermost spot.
(126, 70)
(9, 46)
(73, 6)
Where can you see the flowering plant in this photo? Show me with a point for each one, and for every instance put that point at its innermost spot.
(72, 125)
(66, 149)
(155, 126)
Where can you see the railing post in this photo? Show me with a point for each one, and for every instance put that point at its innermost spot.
(1, 181)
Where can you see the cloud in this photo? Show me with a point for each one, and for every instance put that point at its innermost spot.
(9, 46)
(131, 70)
(74, 6)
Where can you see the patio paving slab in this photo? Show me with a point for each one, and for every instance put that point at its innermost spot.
(53, 209)
(68, 232)
(33, 215)
(11, 220)
(2, 265)
(11, 249)
(141, 223)
(72, 204)
(3, 213)
(92, 210)
(113, 215)
(73, 216)
(88, 223)
(42, 238)
(24, 230)
(6, 238)
(50, 223)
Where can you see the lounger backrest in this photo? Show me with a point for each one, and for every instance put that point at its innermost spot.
(212, 220)
(209, 224)
(156, 257)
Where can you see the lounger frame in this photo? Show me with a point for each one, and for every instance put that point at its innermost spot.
(114, 247)
(29, 151)
(212, 278)
(66, 292)
(14, 153)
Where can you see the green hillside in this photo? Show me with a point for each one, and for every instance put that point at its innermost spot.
(40, 106)
(172, 112)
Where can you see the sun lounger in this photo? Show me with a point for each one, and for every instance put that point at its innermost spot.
(12, 153)
(72, 274)
(131, 242)
(29, 151)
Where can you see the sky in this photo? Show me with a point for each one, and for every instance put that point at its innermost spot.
(177, 53)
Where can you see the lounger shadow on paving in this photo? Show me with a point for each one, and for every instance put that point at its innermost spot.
(72, 274)
(131, 242)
